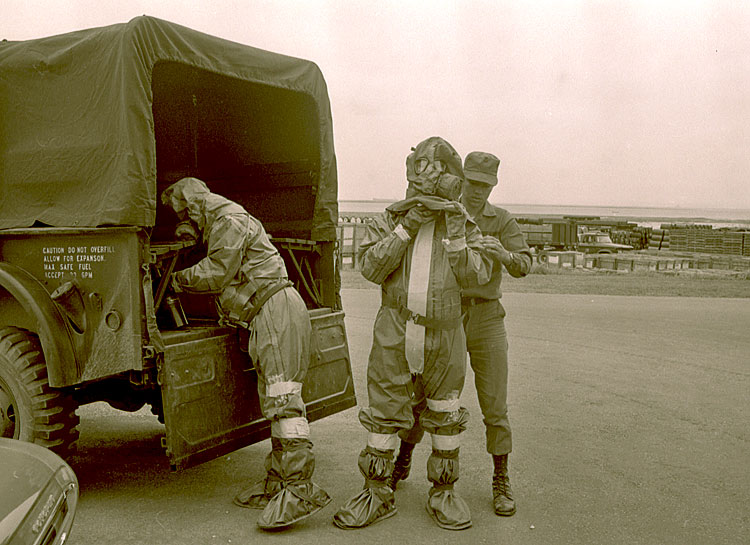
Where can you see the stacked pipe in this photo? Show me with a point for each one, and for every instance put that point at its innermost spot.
(659, 239)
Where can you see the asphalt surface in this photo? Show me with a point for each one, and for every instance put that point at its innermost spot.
(630, 419)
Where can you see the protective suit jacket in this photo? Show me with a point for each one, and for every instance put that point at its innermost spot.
(241, 263)
(239, 252)
(387, 259)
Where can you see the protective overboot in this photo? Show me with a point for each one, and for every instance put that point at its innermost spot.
(444, 505)
(403, 464)
(298, 497)
(376, 502)
(258, 494)
(502, 495)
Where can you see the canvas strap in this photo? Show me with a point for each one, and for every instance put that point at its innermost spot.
(416, 297)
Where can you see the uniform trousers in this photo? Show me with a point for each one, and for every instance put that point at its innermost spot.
(487, 344)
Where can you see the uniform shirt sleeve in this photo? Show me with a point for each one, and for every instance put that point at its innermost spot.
(512, 239)
(471, 267)
(226, 242)
(382, 248)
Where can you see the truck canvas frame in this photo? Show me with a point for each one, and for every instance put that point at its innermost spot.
(93, 126)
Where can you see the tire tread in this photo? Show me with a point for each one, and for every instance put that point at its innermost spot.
(55, 419)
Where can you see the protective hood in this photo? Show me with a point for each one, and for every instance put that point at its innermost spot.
(427, 164)
(191, 198)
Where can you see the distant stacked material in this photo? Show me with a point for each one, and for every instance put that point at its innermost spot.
(659, 239)
(704, 239)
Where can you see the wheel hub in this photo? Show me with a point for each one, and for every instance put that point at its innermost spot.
(7, 412)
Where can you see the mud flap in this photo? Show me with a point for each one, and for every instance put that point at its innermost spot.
(210, 395)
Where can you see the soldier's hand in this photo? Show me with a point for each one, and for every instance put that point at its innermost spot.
(495, 249)
(174, 284)
(415, 217)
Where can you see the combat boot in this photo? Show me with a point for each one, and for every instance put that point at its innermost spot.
(403, 464)
(502, 495)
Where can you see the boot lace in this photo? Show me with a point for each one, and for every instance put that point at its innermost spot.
(501, 485)
(401, 466)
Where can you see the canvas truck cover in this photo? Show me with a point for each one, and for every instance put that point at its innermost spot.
(78, 133)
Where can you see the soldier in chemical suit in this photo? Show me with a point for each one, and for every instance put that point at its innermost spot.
(484, 324)
(422, 251)
(250, 278)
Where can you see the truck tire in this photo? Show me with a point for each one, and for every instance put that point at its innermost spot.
(30, 410)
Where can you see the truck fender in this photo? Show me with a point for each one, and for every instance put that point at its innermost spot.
(50, 324)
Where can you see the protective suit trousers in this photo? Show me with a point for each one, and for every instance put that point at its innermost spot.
(391, 388)
(392, 391)
(487, 344)
(279, 345)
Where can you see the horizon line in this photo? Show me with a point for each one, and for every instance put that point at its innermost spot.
(676, 206)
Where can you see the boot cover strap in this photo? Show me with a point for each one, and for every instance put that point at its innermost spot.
(444, 405)
(291, 428)
(382, 441)
(277, 389)
(445, 442)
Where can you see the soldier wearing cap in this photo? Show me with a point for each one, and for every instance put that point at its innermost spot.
(484, 325)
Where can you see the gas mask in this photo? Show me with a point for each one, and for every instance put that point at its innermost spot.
(434, 168)
(187, 231)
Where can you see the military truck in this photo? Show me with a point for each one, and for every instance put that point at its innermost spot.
(599, 242)
(93, 126)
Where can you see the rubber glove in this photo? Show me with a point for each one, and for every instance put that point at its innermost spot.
(415, 218)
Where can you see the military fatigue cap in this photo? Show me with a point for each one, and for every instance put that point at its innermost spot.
(480, 166)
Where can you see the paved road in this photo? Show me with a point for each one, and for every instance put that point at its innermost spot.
(630, 419)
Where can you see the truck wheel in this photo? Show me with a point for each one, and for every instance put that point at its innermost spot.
(29, 409)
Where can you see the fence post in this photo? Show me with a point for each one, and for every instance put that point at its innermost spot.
(339, 247)
(356, 233)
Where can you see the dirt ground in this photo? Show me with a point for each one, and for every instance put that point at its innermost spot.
(629, 420)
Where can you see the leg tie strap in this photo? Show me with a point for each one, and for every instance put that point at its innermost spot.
(373, 483)
(299, 489)
(446, 454)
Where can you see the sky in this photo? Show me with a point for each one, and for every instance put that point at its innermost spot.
(600, 103)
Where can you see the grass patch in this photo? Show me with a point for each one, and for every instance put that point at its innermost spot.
(703, 283)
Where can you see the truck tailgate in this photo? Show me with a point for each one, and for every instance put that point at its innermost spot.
(210, 396)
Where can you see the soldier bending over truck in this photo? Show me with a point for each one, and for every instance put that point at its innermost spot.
(249, 275)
